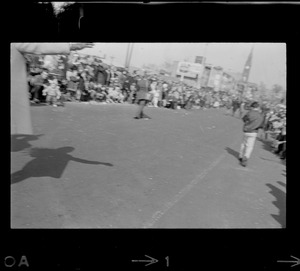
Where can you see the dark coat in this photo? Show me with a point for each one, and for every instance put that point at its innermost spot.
(142, 89)
(81, 85)
(100, 75)
(253, 120)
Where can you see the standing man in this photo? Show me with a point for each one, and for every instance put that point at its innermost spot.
(20, 111)
(253, 120)
(37, 83)
(235, 106)
(100, 74)
(142, 97)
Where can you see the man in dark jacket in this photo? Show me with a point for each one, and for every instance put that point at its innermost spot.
(253, 120)
(142, 97)
(100, 74)
(235, 106)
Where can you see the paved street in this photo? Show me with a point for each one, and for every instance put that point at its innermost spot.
(94, 166)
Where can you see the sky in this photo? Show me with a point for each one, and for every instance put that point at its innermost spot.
(268, 62)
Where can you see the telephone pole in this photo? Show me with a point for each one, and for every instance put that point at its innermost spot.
(128, 55)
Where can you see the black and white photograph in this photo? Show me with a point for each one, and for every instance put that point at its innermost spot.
(148, 135)
(151, 135)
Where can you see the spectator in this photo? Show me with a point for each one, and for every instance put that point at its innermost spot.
(37, 83)
(126, 91)
(52, 92)
(280, 144)
(73, 78)
(159, 89)
(100, 74)
(235, 106)
(142, 97)
(63, 90)
(92, 89)
(132, 95)
(20, 113)
(80, 91)
(122, 78)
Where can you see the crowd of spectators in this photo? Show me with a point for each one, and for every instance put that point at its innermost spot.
(97, 82)
(86, 81)
(275, 127)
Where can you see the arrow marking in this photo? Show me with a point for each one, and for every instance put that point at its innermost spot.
(297, 262)
(151, 261)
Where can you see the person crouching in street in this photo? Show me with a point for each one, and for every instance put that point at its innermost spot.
(142, 97)
(253, 120)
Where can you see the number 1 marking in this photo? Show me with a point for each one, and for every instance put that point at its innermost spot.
(167, 259)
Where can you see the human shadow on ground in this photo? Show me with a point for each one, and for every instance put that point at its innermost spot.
(232, 152)
(267, 145)
(49, 163)
(19, 142)
(280, 203)
(282, 183)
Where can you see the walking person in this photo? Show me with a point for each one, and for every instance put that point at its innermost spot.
(142, 97)
(253, 120)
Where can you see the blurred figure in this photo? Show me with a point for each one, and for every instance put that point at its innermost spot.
(280, 144)
(253, 120)
(37, 83)
(142, 97)
(20, 110)
(52, 92)
(235, 106)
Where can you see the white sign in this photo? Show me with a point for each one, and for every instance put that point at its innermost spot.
(189, 69)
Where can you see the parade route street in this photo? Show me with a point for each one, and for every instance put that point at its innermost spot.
(94, 166)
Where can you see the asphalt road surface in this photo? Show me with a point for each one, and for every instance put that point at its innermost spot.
(94, 166)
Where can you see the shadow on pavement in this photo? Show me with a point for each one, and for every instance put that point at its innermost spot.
(20, 142)
(49, 163)
(280, 203)
(232, 152)
(38, 104)
(267, 145)
(282, 184)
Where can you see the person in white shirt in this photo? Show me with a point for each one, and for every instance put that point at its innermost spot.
(52, 91)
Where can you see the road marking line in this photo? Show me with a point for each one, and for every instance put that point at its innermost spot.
(157, 215)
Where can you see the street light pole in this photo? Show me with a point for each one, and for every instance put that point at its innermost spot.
(127, 54)
(130, 54)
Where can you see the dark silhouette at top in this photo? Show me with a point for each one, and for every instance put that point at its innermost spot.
(280, 203)
(20, 142)
(232, 152)
(49, 163)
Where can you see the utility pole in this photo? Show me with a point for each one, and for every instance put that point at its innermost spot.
(204, 53)
(203, 64)
(127, 54)
(130, 54)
